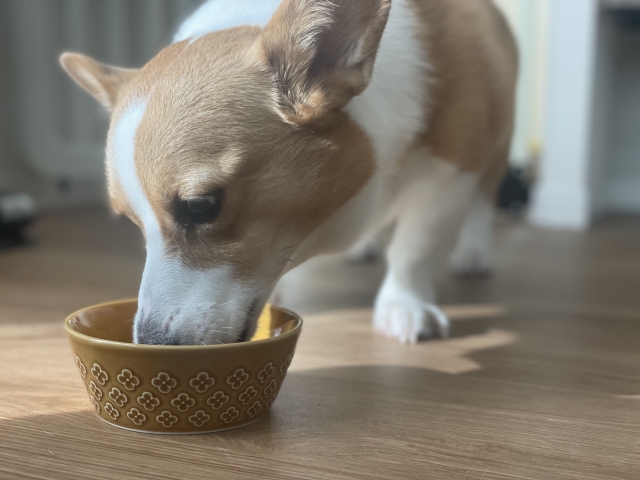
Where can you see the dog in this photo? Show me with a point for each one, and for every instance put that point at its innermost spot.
(273, 131)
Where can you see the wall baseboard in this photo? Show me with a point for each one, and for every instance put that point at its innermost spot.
(561, 205)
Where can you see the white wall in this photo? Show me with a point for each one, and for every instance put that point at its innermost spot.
(563, 194)
(54, 133)
(591, 162)
(621, 163)
(529, 21)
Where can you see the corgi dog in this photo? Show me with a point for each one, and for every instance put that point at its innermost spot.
(273, 131)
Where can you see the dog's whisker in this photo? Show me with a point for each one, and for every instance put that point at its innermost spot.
(226, 333)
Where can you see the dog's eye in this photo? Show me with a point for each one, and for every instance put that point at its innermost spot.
(201, 206)
(195, 211)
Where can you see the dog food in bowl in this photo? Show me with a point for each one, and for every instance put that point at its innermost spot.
(179, 389)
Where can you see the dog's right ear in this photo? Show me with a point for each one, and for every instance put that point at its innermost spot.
(322, 53)
(102, 81)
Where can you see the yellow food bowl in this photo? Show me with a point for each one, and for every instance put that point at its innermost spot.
(179, 389)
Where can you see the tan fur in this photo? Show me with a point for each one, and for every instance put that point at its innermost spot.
(104, 82)
(215, 111)
(319, 64)
(474, 64)
(135, 90)
(195, 139)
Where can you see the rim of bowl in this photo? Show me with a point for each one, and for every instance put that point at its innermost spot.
(173, 348)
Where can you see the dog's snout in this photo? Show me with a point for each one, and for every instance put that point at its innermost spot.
(181, 305)
(150, 330)
(197, 324)
(157, 338)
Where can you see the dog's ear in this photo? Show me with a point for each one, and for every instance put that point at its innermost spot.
(102, 81)
(322, 52)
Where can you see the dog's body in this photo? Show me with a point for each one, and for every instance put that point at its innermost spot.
(366, 119)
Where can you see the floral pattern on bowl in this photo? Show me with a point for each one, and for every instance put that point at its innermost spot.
(253, 409)
(230, 415)
(199, 418)
(183, 402)
(96, 405)
(95, 390)
(271, 388)
(197, 391)
(196, 407)
(112, 411)
(81, 367)
(148, 401)
(238, 378)
(218, 400)
(136, 416)
(164, 382)
(128, 379)
(167, 419)
(100, 375)
(202, 382)
(266, 372)
(118, 397)
(285, 365)
(248, 395)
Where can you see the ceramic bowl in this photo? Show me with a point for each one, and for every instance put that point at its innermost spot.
(179, 389)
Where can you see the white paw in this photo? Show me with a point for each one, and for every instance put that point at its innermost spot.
(471, 260)
(407, 318)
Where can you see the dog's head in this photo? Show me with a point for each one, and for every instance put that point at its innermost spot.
(227, 151)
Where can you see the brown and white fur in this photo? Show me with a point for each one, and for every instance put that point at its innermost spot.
(318, 123)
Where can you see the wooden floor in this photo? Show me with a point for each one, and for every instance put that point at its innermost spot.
(541, 379)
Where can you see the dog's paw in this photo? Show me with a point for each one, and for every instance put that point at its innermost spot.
(408, 318)
(472, 261)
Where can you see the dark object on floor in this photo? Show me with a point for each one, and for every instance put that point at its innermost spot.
(628, 17)
(17, 210)
(514, 192)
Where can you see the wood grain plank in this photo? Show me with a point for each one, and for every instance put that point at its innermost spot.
(541, 379)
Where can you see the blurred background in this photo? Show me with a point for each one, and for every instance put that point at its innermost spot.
(575, 157)
(578, 101)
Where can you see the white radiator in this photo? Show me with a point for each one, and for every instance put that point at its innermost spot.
(61, 130)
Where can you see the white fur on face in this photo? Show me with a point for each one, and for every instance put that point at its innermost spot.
(177, 304)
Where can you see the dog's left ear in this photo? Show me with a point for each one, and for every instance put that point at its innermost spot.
(323, 53)
(102, 81)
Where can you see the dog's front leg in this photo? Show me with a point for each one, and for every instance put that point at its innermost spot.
(429, 216)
